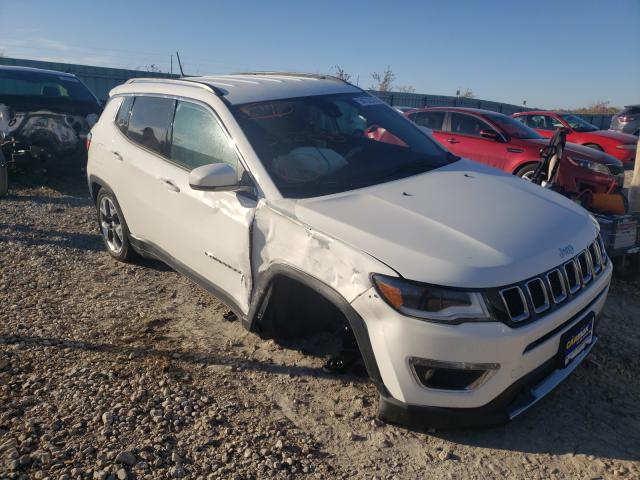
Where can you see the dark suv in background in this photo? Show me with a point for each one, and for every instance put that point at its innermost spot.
(627, 120)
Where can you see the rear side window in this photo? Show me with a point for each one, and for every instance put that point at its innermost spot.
(544, 122)
(198, 138)
(467, 124)
(150, 122)
(122, 120)
(431, 120)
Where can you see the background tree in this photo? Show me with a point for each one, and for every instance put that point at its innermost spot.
(467, 93)
(599, 107)
(383, 82)
(342, 74)
(404, 89)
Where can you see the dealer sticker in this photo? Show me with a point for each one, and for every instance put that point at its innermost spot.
(368, 100)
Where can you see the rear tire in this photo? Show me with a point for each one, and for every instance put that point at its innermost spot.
(113, 227)
(595, 146)
(526, 171)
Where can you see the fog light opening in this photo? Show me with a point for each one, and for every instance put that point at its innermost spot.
(452, 376)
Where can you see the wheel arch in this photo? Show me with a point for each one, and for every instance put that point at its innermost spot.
(524, 164)
(261, 298)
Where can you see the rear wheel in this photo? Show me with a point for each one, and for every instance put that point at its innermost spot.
(595, 146)
(113, 227)
(526, 172)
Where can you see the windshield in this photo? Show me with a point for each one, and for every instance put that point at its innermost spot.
(41, 84)
(513, 127)
(578, 124)
(318, 145)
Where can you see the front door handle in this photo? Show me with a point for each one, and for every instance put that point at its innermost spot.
(170, 184)
(117, 155)
(453, 140)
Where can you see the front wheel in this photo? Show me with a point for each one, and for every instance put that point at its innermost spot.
(526, 172)
(113, 227)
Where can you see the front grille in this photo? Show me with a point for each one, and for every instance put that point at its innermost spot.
(539, 295)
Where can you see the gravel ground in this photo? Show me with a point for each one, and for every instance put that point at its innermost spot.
(116, 371)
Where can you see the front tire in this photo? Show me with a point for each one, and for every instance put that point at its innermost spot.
(113, 227)
(526, 172)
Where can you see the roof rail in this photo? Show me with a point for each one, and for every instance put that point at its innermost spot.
(181, 81)
(320, 76)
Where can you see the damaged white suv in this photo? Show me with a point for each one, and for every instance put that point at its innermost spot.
(471, 293)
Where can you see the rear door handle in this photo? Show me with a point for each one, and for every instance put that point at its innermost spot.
(117, 155)
(170, 184)
(452, 140)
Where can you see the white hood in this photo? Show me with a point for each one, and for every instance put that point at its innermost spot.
(463, 225)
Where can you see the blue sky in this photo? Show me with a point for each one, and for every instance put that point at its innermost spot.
(566, 53)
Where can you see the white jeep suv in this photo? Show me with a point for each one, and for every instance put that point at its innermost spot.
(471, 293)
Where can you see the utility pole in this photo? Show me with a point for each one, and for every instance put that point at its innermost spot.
(171, 64)
(634, 189)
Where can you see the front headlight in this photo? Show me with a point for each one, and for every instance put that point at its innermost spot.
(428, 302)
(588, 164)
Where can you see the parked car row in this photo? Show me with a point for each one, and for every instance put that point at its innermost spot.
(302, 199)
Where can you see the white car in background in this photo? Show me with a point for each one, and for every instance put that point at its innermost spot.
(471, 293)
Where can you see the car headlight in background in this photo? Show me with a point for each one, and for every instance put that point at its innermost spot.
(437, 304)
(629, 146)
(589, 165)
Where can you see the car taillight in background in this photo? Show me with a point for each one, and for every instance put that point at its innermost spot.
(87, 141)
(626, 118)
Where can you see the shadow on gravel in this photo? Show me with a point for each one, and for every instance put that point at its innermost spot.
(197, 358)
(33, 236)
(66, 200)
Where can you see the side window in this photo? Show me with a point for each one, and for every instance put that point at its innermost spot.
(554, 123)
(431, 120)
(198, 139)
(543, 122)
(467, 124)
(122, 119)
(523, 119)
(150, 122)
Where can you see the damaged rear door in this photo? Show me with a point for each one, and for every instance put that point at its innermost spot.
(208, 231)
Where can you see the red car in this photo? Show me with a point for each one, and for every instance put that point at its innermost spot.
(620, 145)
(505, 143)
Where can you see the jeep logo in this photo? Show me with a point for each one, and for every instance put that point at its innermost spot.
(566, 251)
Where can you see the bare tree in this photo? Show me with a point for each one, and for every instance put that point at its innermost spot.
(152, 68)
(599, 107)
(342, 74)
(467, 93)
(404, 89)
(383, 81)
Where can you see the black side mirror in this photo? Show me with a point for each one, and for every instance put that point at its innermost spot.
(491, 134)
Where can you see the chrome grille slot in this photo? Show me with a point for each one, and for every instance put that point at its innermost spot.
(603, 252)
(538, 295)
(572, 275)
(594, 251)
(516, 303)
(584, 262)
(557, 286)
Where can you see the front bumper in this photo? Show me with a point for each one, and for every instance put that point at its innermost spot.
(527, 358)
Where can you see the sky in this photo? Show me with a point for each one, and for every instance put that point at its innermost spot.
(553, 54)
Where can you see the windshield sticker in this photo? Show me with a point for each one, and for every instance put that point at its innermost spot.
(69, 79)
(368, 100)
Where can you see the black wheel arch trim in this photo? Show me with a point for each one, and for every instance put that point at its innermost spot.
(263, 283)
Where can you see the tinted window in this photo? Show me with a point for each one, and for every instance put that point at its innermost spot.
(431, 120)
(43, 84)
(122, 120)
(578, 124)
(512, 127)
(150, 122)
(544, 122)
(198, 138)
(467, 124)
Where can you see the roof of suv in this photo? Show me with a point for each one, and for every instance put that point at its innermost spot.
(256, 87)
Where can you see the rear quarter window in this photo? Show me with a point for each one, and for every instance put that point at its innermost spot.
(431, 120)
(124, 112)
(150, 122)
